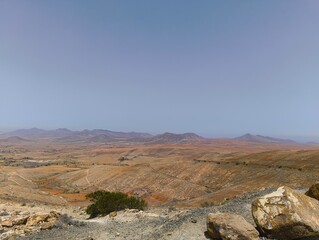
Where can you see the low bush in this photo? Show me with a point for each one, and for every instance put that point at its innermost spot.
(107, 202)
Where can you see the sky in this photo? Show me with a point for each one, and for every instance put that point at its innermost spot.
(216, 68)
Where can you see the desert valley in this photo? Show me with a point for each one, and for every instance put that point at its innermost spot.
(61, 166)
(159, 120)
(56, 169)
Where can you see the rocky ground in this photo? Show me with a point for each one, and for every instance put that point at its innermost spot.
(154, 223)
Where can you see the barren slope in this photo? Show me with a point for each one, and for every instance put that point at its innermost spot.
(205, 172)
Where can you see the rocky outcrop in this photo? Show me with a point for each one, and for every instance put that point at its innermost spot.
(313, 191)
(286, 214)
(14, 220)
(37, 218)
(230, 227)
(21, 223)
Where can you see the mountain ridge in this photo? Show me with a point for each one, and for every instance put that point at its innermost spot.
(64, 135)
(61, 133)
(264, 139)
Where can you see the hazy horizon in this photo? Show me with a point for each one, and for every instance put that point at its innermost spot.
(215, 68)
(300, 139)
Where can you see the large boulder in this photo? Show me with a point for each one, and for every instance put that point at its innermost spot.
(313, 191)
(286, 214)
(228, 226)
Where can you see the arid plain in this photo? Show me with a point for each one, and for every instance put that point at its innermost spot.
(60, 167)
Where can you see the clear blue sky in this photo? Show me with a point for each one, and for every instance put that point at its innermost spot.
(217, 68)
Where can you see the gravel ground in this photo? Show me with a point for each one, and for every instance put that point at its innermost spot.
(154, 223)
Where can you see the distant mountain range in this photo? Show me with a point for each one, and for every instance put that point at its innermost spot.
(173, 138)
(264, 139)
(38, 133)
(64, 135)
(101, 136)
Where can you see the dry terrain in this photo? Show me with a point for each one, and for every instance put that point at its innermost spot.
(184, 171)
(181, 176)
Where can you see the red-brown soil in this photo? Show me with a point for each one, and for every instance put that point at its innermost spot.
(190, 174)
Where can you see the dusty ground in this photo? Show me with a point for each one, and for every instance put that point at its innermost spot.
(154, 223)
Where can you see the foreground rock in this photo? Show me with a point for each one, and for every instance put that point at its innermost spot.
(23, 223)
(313, 191)
(287, 214)
(230, 227)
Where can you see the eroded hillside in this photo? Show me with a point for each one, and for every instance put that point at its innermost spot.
(206, 172)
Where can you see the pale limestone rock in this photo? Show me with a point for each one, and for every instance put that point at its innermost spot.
(286, 214)
(37, 218)
(21, 223)
(228, 226)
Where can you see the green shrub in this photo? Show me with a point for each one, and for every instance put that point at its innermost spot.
(106, 202)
